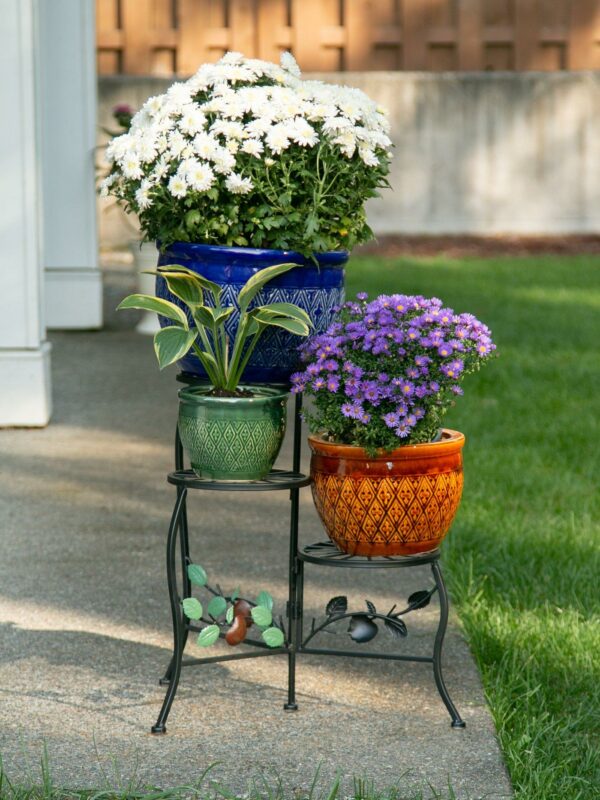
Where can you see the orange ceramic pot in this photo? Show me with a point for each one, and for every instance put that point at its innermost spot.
(397, 503)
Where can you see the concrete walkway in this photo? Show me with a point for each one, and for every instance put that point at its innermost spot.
(85, 624)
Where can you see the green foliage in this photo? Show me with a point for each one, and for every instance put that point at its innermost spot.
(196, 574)
(217, 606)
(208, 635)
(224, 362)
(192, 608)
(221, 605)
(262, 616)
(523, 556)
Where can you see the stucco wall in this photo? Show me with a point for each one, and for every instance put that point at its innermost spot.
(475, 152)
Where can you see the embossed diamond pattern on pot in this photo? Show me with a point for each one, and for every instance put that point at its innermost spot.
(403, 511)
(237, 447)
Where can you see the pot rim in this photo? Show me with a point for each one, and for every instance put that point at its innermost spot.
(451, 441)
(199, 395)
(331, 258)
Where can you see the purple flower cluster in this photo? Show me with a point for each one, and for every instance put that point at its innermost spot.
(392, 365)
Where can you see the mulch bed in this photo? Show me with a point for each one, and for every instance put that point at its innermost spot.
(481, 246)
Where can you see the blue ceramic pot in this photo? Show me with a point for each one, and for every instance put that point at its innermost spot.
(316, 289)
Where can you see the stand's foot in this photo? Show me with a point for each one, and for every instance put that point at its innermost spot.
(290, 707)
(458, 723)
(158, 729)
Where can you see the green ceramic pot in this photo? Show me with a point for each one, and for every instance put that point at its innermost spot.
(232, 438)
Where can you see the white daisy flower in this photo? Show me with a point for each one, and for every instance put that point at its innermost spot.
(193, 121)
(205, 145)
(223, 160)
(131, 167)
(106, 184)
(177, 143)
(289, 64)
(278, 138)
(178, 186)
(142, 197)
(347, 143)
(179, 94)
(253, 147)
(238, 185)
(368, 156)
(303, 133)
(200, 177)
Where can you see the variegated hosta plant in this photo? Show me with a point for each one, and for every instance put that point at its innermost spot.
(223, 360)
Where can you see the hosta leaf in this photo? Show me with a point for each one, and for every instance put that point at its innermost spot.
(419, 599)
(163, 307)
(192, 608)
(273, 637)
(396, 627)
(197, 574)
(208, 635)
(187, 289)
(290, 310)
(265, 599)
(172, 343)
(217, 606)
(294, 326)
(253, 286)
(262, 616)
(337, 605)
(177, 270)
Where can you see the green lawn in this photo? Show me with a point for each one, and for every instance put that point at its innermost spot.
(523, 557)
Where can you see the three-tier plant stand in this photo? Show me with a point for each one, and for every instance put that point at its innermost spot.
(325, 554)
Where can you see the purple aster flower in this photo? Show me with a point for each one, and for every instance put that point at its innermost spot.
(407, 388)
(318, 384)
(413, 372)
(333, 383)
(362, 296)
(419, 412)
(421, 391)
(392, 419)
(456, 389)
(445, 349)
(330, 365)
(403, 430)
(422, 361)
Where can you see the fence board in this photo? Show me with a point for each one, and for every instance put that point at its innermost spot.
(470, 52)
(168, 36)
(313, 45)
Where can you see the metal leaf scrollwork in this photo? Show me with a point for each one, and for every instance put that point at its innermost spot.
(395, 626)
(362, 626)
(337, 605)
(419, 599)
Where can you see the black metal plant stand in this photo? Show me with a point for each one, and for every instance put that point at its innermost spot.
(322, 554)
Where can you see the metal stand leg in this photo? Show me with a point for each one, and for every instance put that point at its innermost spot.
(457, 722)
(293, 644)
(176, 612)
(185, 554)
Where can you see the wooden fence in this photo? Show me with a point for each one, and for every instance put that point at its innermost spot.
(166, 37)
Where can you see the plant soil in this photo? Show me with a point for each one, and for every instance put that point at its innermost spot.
(227, 393)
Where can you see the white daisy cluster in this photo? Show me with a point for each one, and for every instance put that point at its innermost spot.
(202, 133)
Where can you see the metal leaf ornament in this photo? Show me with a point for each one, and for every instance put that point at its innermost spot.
(396, 627)
(419, 599)
(362, 629)
(337, 605)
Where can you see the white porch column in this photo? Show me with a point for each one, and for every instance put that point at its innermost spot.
(68, 102)
(24, 352)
